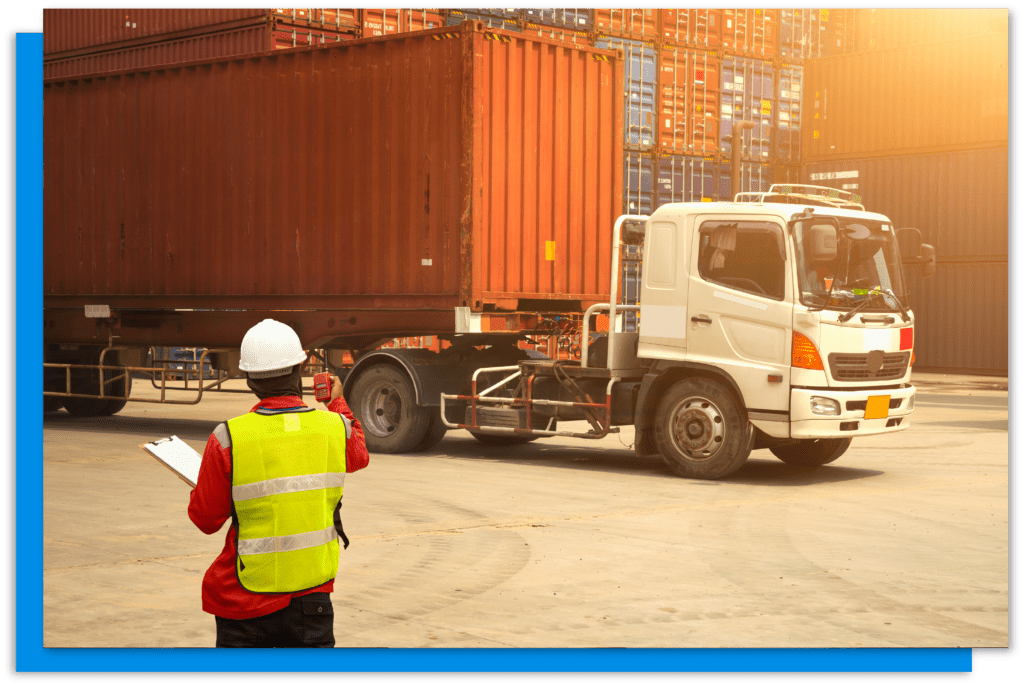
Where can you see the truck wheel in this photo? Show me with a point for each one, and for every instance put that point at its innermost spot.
(435, 430)
(496, 441)
(384, 400)
(701, 431)
(812, 452)
(96, 407)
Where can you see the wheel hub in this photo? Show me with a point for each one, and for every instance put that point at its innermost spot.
(382, 409)
(698, 428)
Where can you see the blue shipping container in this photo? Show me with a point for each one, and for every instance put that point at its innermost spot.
(579, 19)
(638, 183)
(456, 17)
(801, 35)
(787, 122)
(640, 84)
(683, 178)
(754, 178)
(748, 94)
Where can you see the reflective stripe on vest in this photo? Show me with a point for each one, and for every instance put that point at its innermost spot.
(287, 476)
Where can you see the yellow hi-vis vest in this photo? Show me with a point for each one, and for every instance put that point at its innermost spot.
(287, 476)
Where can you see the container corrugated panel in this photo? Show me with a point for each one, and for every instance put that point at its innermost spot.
(933, 98)
(634, 23)
(748, 94)
(962, 318)
(786, 173)
(697, 28)
(959, 201)
(639, 88)
(688, 101)
(882, 29)
(788, 123)
(682, 178)
(456, 17)
(751, 32)
(638, 183)
(72, 29)
(243, 41)
(754, 178)
(443, 184)
(579, 19)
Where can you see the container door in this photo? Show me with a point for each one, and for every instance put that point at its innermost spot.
(740, 312)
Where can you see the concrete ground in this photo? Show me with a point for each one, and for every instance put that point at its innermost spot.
(567, 542)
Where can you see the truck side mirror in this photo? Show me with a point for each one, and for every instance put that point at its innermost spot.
(927, 261)
(913, 251)
(821, 242)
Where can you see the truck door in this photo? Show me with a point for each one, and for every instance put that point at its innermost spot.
(740, 310)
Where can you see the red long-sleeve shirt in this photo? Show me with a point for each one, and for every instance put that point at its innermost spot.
(210, 506)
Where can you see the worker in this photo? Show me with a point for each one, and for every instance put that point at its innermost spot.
(277, 473)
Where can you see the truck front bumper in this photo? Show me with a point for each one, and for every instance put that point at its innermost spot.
(851, 420)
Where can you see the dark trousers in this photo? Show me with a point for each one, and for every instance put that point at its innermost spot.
(307, 622)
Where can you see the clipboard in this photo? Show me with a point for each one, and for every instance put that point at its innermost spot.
(177, 456)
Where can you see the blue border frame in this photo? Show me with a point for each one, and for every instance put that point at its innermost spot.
(30, 656)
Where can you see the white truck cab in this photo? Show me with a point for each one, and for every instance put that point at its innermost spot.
(795, 302)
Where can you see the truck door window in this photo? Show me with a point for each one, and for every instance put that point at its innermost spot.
(744, 256)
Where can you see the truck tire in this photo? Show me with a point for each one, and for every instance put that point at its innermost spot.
(98, 407)
(435, 430)
(701, 430)
(812, 452)
(384, 400)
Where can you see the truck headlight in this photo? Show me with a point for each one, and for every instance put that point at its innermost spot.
(825, 406)
(910, 402)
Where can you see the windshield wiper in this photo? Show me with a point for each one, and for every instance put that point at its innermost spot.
(858, 307)
(903, 310)
(876, 294)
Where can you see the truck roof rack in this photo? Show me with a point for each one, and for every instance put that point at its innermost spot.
(803, 194)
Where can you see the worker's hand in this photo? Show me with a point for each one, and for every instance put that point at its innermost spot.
(335, 388)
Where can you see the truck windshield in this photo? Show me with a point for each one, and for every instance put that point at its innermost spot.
(866, 259)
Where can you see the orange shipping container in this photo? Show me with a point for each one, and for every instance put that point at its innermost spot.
(422, 172)
(702, 28)
(882, 29)
(751, 32)
(688, 101)
(379, 22)
(629, 23)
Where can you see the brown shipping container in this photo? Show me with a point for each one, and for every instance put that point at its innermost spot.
(246, 40)
(475, 168)
(960, 203)
(919, 99)
(72, 29)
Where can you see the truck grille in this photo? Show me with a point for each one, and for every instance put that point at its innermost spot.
(854, 366)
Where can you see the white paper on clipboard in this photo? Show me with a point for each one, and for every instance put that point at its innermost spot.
(177, 456)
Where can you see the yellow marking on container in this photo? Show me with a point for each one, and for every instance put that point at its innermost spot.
(291, 422)
(549, 251)
(816, 134)
(766, 107)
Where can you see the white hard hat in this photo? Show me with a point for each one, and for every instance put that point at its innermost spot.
(270, 349)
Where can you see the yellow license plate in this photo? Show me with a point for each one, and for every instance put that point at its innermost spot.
(878, 407)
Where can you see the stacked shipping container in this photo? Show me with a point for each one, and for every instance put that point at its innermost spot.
(916, 122)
